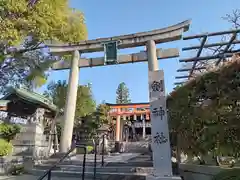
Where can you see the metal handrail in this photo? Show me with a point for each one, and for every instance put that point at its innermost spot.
(49, 171)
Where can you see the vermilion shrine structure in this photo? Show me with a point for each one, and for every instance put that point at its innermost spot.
(162, 162)
(138, 113)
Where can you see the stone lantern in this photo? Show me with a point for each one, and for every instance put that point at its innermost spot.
(102, 134)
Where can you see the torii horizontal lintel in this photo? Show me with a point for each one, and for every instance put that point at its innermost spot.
(168, 34)
(122, 59)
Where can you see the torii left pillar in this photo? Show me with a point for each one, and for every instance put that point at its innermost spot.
(70, 106)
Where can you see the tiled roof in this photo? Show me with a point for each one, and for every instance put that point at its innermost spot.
(31, 97)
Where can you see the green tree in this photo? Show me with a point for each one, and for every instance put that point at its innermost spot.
(7, 133)
(85, 105)
(26, 25)
(57, 91)
(205, 112)
(103, 112)
(42, 20)
(122, 94)
(26, 69)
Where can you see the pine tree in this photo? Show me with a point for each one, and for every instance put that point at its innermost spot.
(123, 98)
(122, 94)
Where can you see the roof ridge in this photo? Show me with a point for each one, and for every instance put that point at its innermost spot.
(34, 93)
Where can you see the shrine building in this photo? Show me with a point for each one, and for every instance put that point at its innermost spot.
(129, 120)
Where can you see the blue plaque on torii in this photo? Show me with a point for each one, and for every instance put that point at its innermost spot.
(110, 52)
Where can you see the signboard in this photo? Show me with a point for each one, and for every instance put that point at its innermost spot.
(160, 132)
(110, 49)
(156, 85)
(140, 124)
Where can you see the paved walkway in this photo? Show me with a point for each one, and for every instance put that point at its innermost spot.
(30, 177)
(124, 157)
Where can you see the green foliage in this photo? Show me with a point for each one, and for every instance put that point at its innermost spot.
(88, 124)
(230, 174)
(85, 103)
(91, 122)
(9, 131)
(29, 26)
(81, 151)
(103, 110)
(5, 147)
(205, 113)
(16, 170)
(45, 20)
(57, 91)
(122, 94)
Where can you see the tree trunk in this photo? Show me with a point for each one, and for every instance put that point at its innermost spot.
(51, 134)
(178, 151)
(55, 139)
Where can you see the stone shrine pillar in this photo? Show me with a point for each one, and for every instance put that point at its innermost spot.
(121, 129)
(134, 117)
(143, 126)
(122, 126)
(159, 132)
(70, 106)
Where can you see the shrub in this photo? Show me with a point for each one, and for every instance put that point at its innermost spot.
(5, 147)
(89, 149)
(16, 170)
(9, 131)
(231, 174)
(81, 151)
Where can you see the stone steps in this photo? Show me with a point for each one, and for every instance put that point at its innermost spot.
(119, 166)
(106, 164)
(72, 162)
(90, 169)
(32, 177)
(87, 168)
(131, 164)
(90, 175)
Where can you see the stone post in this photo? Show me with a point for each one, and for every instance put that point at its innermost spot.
(70, 106)
(159, 131)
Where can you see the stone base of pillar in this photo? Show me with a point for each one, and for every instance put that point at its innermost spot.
(117, 147)
(163, 178)
(59, 155)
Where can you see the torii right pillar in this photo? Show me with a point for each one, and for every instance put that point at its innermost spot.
(161, 150)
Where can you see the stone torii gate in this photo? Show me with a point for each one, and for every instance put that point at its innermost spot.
(110, 46)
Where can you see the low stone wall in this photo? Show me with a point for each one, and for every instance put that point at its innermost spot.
(198, 172)
(136, 147)
(30, 142)
(6, 163)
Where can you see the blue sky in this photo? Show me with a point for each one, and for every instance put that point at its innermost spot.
(116, 17)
